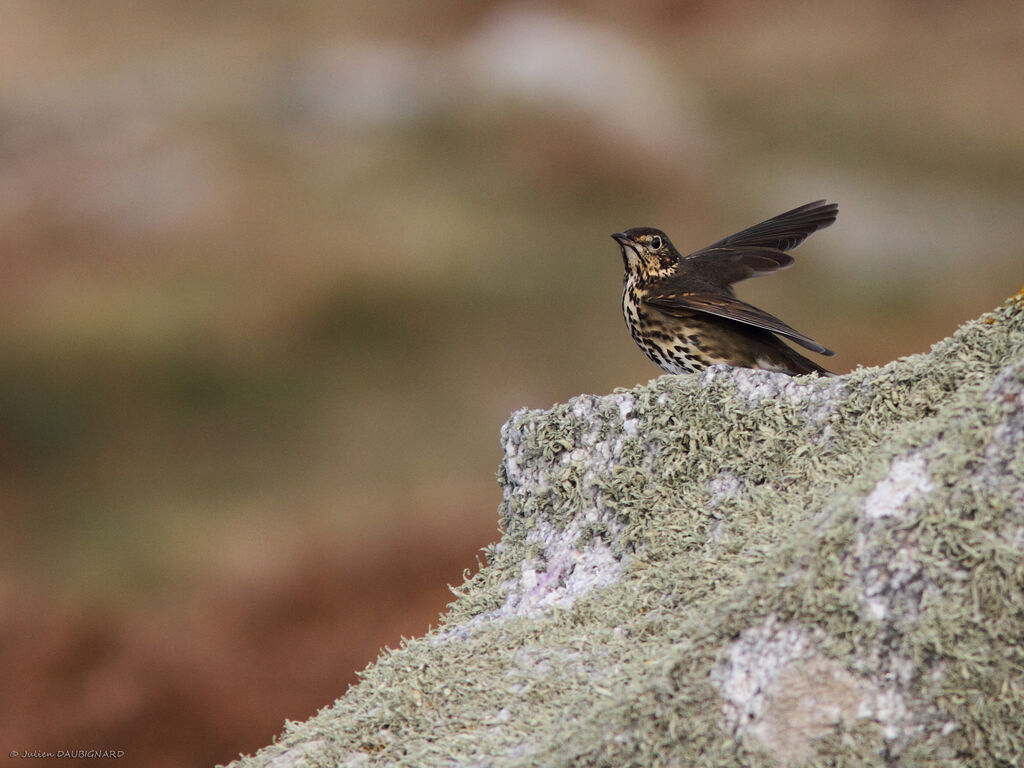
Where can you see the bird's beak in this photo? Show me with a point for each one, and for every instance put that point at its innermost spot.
(627, 245)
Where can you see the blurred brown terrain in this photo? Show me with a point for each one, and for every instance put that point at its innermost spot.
(274, 278)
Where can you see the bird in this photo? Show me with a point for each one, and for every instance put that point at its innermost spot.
(682, 312)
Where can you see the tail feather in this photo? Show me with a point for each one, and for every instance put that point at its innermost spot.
(798, 365)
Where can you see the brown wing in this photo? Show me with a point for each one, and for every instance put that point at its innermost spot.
(783, 232)
(723, 266)
(732, 309)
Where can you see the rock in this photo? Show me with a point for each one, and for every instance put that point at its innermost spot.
(733, 568)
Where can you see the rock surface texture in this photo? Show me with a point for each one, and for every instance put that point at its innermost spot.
(733, 568)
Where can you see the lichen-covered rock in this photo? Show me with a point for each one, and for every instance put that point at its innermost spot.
(734, 568)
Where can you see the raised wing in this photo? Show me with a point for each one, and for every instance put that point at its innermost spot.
(722, 266)
(732, 309)
(785, 231)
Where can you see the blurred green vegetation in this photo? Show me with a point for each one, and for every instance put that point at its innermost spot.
(281, 277)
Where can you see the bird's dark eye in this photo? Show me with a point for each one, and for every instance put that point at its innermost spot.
(655, 242)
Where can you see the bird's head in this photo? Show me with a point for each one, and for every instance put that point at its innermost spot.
(647, 252)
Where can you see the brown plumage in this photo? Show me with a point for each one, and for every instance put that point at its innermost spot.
(682, 312)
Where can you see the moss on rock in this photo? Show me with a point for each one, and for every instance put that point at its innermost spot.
(733, 568)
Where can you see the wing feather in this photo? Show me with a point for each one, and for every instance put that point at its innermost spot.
(732, 309)
(783, 232)
(726, 265)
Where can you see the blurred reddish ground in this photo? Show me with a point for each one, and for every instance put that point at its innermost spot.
(198, 685)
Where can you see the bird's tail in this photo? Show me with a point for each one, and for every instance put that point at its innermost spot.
(798, 365)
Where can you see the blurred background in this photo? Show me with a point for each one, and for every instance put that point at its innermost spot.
(275, 275)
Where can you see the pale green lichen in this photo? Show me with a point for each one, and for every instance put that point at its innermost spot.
(667, 545)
